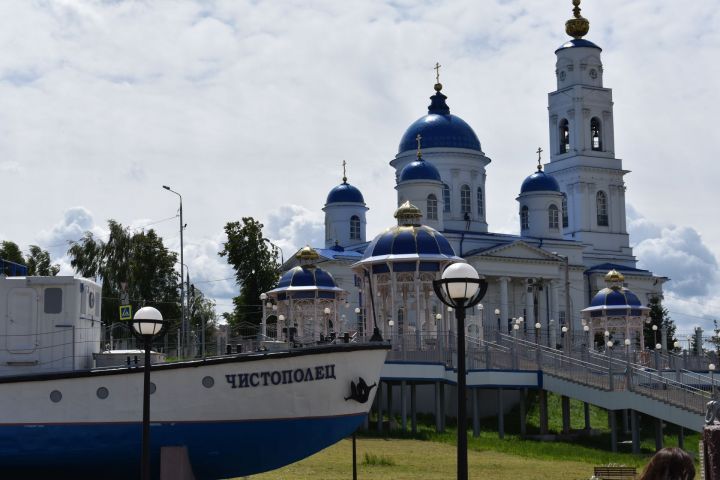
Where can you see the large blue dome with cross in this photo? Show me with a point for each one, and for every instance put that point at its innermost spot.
(439, 128)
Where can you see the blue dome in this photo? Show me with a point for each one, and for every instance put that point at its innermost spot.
(344, 193)
(439, 129)
(409, 240)
(540, 182)
(615, 301)
(419, 170)
(577, 42)
(306, 277)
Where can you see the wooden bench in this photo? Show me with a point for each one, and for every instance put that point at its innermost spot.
(615, 473)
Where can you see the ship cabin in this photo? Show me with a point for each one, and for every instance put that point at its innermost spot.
(48, 324)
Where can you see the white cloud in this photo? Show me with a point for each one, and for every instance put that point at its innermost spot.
(692, 294)
(292, 227)
(9, 167)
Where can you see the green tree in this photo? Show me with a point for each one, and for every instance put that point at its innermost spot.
(659, 316)
(715, 339)
(9, 251)
(256, 268)
(136, 263)
(38, 260)
(38, 263)
(201, 312)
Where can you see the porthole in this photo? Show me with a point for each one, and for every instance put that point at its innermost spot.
(102, 393)
(55, 396)
(152, 388)
(208, 382)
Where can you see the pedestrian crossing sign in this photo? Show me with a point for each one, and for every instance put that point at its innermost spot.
(125, 312)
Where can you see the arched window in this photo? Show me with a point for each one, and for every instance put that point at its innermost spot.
(524, 218)
(354, 227)
(553, 217)
(564, 211)
(480, 202)
(602, 209)
(564, 136)
(595, 137)
(401, 321)
(446, 198)
(464, 199)
(432, 211)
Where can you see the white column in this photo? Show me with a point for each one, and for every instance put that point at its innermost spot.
(418, 321)
(504, 313)
(529, 307)
(555, 307)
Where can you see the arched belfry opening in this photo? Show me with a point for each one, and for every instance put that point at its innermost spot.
(595, 134)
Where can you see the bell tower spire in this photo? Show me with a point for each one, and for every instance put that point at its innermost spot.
(582, 149)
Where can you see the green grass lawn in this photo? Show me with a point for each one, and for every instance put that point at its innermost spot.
(417, 459)
(431, 455)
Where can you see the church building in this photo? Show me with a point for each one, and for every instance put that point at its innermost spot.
(571, 216)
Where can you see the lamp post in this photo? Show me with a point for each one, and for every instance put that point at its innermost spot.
(537, 332)
(497, 315)
(263, 324)
(460, 288)
(183, 320)
(147, 323)
(564, 330)
(654, 329)
(711, 367)
(481, 307)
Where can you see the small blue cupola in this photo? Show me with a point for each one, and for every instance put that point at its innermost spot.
(540, 182)
(345, 193)
(541, 205)
(344, 215)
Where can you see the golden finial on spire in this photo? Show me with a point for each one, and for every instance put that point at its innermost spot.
(438, 85)
(419, 152)
(579, 26)
(539, 152)
(344, 172)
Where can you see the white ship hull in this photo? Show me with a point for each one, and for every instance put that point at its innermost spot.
(236, 415)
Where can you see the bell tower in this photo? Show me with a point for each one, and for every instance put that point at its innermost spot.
(582, 150)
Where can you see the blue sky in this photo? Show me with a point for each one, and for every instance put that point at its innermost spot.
(249, 108)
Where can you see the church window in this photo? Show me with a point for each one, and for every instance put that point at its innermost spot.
(401, 321)
(564, 211)
(432, 211)
(564, 136)
(595, 136)
(464, 199)
(524, 218)
(602, 209)
(553, 217)
(354, 227)
(480, 202)
(446, 198)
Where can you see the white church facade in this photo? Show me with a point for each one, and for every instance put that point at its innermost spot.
(571, 214)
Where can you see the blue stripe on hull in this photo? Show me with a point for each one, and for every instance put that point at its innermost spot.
(216, 449)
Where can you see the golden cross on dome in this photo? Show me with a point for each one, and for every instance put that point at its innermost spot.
(539, 152)
(344, 172)
(437, 72)
(418, 138)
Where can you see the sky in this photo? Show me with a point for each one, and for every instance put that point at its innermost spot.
(248, 108)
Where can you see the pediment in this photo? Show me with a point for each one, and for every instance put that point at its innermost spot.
(519, 250)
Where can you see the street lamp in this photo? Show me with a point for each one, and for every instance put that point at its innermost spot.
(326, 311)
(183, 320)
(460, 287)
(263, 324)
(538, 326)
(564, 331)
(654, 329)
(711, 367)
(147, 323)
(497, 315)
